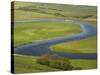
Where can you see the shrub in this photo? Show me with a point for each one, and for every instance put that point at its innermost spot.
(60, 63)
(56, 62)
(43, 60)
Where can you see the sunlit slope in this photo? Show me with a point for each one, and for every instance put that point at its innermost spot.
(30, 11)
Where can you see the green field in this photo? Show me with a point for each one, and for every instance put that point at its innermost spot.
(88, 45)
(26, 33)
(30, 11)
(27, 64)
(84, 64)
(32, 32)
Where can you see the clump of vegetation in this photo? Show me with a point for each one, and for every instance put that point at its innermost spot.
(59, 14)
(56, 62)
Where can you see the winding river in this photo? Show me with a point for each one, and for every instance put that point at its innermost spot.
(43, 47)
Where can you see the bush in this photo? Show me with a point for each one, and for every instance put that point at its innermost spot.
(60, 63)
(43, 60)
(56, 62)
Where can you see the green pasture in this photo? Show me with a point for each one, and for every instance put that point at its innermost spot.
(88, 45)
(84, 64)
(28, 64)
(33, 32)
(30, 11)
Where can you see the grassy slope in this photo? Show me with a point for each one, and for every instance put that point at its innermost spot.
(29, 11)
(27, 15)
(27, 64)
(31, 32)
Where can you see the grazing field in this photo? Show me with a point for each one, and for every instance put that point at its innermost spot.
(88, 45)
(28, 64)
(32, 32)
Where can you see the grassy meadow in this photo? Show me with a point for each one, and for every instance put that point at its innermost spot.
(28, 64)
(88, 45)
(30, 11)
(25, 33)
(32, 32)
